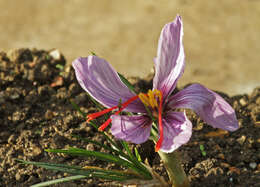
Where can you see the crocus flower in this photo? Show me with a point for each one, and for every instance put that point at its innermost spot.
(101, 81)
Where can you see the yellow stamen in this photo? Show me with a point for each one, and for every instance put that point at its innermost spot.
(151, 98)
(144, 99)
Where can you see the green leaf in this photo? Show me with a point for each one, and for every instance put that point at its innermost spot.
(47, 57)
(77, 108)
(60, 180)
(135, 166)
(127, 83)
(138, 155)
(59, 66)
(130, 156)
(98, 105)
(202, 149)
(87, 171)
(101, 156)
(125, 145)
(135, 161)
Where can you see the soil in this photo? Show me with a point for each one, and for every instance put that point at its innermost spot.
(35, 113)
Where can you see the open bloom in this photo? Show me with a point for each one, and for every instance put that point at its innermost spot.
(102, 82)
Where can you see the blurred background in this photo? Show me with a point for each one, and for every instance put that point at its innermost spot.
(221, 38)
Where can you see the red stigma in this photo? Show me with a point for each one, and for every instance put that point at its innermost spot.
(97, 114)
(107, 122)
(159, 142)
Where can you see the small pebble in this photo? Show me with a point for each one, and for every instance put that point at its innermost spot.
(11, 139)
(83, 126)
(17, 176)
(221, 156)
(90, 147)
(55, 54)
(253, 165)
(14, 96)
(234, 170)
(226, 165)
(198, 127)
(58, 81)
(258, 101)
(35, 151)
(242, 101)
(2, 99)
(241, 140)
(244, 170)
(251, 140)
(48, 114)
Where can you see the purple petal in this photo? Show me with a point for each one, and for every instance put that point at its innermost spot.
(101, 81)
(177, 130)
(170, 63)
(135, 129)
(211, 107)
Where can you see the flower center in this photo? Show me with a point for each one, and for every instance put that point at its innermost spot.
(153, 100)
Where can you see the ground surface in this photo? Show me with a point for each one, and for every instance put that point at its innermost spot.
(221, 37)
(35, 114)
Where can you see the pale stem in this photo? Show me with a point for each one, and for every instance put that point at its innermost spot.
(172, 164)
(174, 169)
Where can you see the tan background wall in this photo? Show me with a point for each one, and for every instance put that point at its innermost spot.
(222, 37)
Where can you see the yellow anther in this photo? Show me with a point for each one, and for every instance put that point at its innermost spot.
(144, 99)
(152, 99)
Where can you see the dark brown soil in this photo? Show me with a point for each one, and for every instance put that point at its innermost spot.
(35, 114)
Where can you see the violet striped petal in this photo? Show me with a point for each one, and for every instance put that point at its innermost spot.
(135, 129)
(101, 81)
(170, 63)
(211, 107)
(177, 130)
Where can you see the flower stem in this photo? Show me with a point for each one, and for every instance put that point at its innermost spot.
(174, 169)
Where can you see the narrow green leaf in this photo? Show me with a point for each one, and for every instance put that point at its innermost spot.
(134, 165)
(88, 172)
(135, 161)
(129, 157)
(101, 156)
(125, 145)
(61, 180)
(59, 66)
(127, 83)
(98, 105)
(138, 155)
(77, 108)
